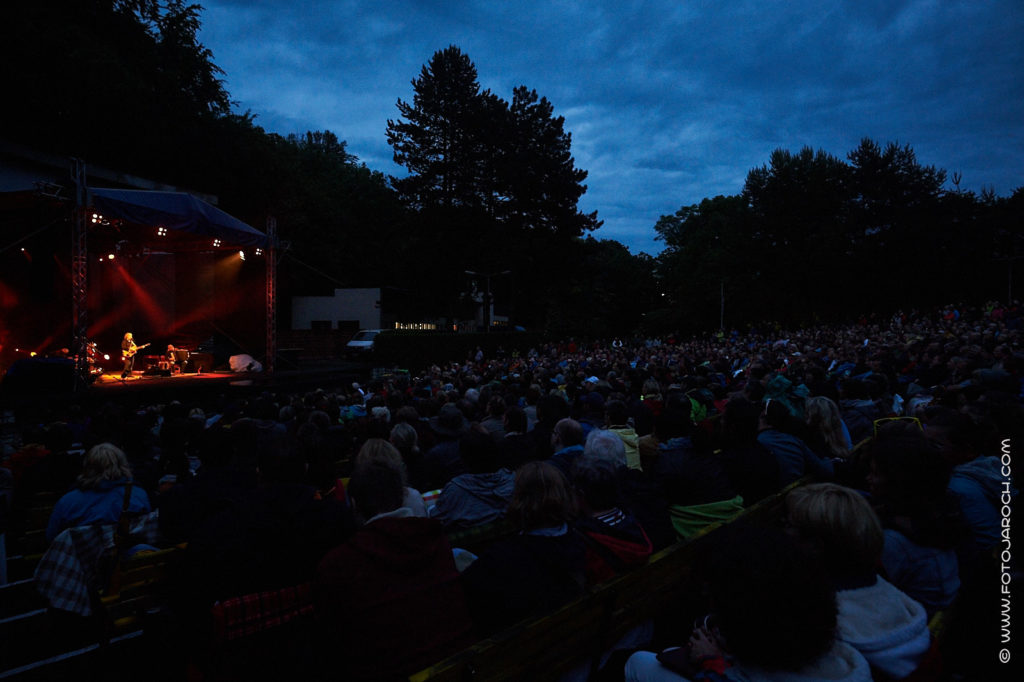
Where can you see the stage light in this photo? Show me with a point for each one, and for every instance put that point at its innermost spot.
(106, 356)
(241, 254)
(216, 242)
(161, 231)
(110, 256)
(259, 252)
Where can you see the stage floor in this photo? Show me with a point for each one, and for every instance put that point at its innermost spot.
(141, 387)
(111, 381)
(107, 378)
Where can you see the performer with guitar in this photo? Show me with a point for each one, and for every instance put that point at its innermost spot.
(128, 351)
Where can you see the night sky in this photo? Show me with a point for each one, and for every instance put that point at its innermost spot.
(668, 101)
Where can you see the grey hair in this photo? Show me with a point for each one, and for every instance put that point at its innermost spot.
(605, 445)
(105, 462)
(404, 436)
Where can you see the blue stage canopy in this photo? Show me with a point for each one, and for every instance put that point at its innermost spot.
(178, 212)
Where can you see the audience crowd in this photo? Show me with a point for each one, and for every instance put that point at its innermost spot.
(583, 458)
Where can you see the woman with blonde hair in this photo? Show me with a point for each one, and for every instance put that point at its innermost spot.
(839, 526)
(827, 435)
(99, 496)
(406, 439)
(378, 450)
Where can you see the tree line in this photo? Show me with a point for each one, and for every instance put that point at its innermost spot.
(813, 238)
(492, 188)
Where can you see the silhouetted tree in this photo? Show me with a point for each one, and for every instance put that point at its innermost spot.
(494, 185)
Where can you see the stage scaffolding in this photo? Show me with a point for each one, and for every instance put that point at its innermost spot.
(271, 257)
(80, 269)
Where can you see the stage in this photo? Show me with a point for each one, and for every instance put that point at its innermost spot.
(147, 388)
(112, 379)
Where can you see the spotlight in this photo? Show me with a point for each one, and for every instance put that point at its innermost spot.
(110, 256)
(241, 254)
(216, 242)
(161, 231)
(259, 252)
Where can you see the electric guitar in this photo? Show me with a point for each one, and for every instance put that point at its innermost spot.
(133, 350)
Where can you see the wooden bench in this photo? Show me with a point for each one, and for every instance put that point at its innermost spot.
(576, 635)
(37, 642)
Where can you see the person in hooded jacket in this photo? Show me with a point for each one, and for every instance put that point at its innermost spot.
(389, 600)
(483, 494)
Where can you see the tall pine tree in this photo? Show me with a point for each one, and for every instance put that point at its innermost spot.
(441, 139)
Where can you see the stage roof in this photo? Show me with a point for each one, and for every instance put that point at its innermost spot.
(190, 218)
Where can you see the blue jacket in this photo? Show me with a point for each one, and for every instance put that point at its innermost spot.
(564, 458)
(978, 485)
(929, 575)
(794, 457)
(474, 499)
(102, 504)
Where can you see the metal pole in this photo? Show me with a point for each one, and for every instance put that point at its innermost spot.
(487, 305)
(721, 311)
(271, 294)
(79, 271)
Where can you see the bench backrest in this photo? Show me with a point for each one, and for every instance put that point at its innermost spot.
(577, 634)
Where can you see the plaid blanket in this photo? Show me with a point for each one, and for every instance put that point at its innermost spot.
(68, 573)
(249, 614)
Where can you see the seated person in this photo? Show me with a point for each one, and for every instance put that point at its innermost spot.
(480, 496)
(516, 446)
(380, 449)
(794, 457)
(99, 495)
(540, 568)
(839, 527)
(908, 480)
(688, 475)
(773, 618)
(615, 541)
(176, 357)
(250, 539)
(567, 440)
(389, 600)
(751, 467)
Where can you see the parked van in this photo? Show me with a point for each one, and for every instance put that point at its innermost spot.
(361, 345)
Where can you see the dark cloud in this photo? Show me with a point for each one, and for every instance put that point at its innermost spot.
(667, 102)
